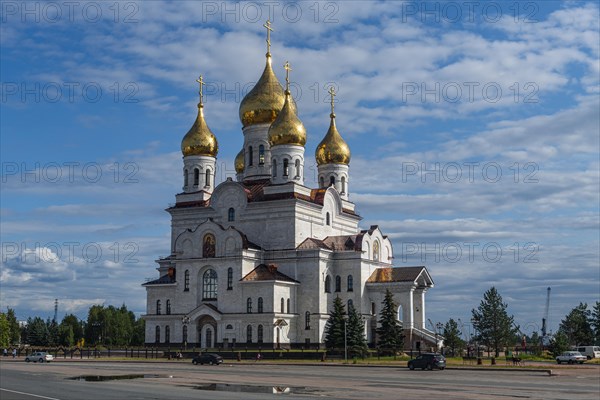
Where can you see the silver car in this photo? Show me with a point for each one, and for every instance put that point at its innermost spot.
(571, 357)
(40, 356)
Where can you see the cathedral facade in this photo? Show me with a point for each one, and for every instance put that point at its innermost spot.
(258, 261)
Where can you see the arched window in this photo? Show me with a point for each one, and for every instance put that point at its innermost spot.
(167, 334)
(343, 184)
(327, 219)
(184, 334)
(259, 334)
(331, 180)
(261, 155)
(350, 304)
(168, 307)
(185, 177)
(207, 178)
(328, 284)
(231, 214)
(249, 334)
(250, 156)
(274, 168)
(322, 182)
(307, 320)
(286, 166)
(157, 307)
(297, 165)
(350, 283)
(288, 306)
(157, 334)
(196, 176)
(229, 326)
(338, 283)
(282, 304)
(209, 285)
(209, 246)
(372, 308)
(186, 280)
(249, 305)
(229, 278)
(260, 305)
(400, 314)
(376, 251)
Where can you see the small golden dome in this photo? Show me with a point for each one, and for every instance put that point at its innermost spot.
(332, 149)
(199, 141)
(264, 102)
(287, 127)
(239, 162)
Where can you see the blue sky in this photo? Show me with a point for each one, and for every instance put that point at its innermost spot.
(474, 132)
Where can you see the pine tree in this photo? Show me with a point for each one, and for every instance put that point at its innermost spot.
(576, 326)
(13, 325)
(334, 328)
(452, 339)
(37, 332)
(391, 338)
(495, 328)
(4, 331)
(595, 322)
(357, 342)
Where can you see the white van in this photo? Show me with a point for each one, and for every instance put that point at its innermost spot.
(589, 351)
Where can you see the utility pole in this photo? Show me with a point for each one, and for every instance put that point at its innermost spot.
(55, 309)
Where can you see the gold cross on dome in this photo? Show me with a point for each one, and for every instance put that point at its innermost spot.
(288, 68)
(331, 91)
(269, 29)
(202, 83)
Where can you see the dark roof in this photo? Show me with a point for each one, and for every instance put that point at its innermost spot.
(391, 274)
(163, 280)
(267, 273)
(343, 242)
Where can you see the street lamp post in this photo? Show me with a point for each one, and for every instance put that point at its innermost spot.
(185, 321)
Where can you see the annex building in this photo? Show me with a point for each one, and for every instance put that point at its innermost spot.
(258, 261)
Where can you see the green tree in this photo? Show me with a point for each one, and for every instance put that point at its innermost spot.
(452, 339)
(494, 327)
(334, 328)
(576, 326)
(13, 325)
(52, 332)
(357, 342)
(535, 344)
(558, 344)
(37, 332)
(4, 331)
(390, 336)
(139, 332)
(595, 323)
(70, 323)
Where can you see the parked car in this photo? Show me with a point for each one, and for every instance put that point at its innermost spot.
(571, 357)
(207, 358)
(429, 361)
(40, 356)
(589, 351)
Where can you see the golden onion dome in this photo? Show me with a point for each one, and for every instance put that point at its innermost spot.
(287, 127)
(239, 162)
(332, 149)
(200, 141)
(264, 102)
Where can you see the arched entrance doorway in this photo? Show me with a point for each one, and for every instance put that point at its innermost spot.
(207, 331)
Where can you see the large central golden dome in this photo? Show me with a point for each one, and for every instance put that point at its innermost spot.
(200, 141)
(332, 149)
(264, 102)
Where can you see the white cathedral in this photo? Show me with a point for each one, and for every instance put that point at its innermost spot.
(257, 262)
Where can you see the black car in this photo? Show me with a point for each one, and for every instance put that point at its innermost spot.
(429, 361)
(207, 358)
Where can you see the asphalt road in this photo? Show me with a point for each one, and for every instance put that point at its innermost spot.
(182, 380)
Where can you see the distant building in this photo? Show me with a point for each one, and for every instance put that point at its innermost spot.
(257, 262)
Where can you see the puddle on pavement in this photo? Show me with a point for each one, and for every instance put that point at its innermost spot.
(103, 378)
(224, 387)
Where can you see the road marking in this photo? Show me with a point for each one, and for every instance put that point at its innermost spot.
(29, 394)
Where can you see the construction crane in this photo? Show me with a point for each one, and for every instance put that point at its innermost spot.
(545, 318)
